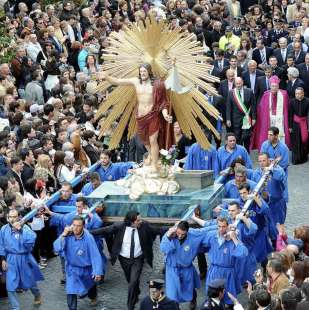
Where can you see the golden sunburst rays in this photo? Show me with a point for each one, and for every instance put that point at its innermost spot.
(156, 44)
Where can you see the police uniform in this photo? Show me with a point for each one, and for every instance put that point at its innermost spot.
(211, 303)
(163, 303)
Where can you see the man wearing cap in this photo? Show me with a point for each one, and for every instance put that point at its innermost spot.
(229, 38)
(272, 111)
(157, 298)
(215, 294)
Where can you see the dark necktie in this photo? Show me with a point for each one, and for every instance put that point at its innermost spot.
(132, 244)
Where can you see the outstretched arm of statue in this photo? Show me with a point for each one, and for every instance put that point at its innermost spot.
(114, 81)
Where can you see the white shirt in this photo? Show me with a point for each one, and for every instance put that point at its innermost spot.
(126, 243)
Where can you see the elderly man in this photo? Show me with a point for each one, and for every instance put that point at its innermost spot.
(241, 112)
(250, 76)
(281, 53)
(272, 111)
(34, 48)
(294, 82)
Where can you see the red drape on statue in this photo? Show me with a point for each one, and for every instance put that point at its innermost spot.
(153, 121)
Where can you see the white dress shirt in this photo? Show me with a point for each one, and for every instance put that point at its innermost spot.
(126, 243)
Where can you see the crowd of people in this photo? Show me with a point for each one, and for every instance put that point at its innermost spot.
(258, 50)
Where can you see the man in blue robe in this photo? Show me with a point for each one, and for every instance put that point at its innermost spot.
(246, 231)
(67, 197)
(275, 188)
(224, 248)
(231, 151)
(112, 171)
(260, 214)
(200, 159)
(83, 262)
(94, 183)
(180, 246)
(231, 187)
(22, 271)
(275, 148)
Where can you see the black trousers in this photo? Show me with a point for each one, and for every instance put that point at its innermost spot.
(242, 136)
(132, 270)
(72, 299)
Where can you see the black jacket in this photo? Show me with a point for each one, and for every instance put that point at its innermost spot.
(239, 71)
(146, 232)
(246, 78)
(13, 175)
(256, 55)
(92, 153)
(27, 173)
(261, 88)
(233, 114)
(304, 75)
(277, 53)
(291, 89)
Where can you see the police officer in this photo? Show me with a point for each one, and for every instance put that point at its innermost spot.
(156, 298)
(215, 295)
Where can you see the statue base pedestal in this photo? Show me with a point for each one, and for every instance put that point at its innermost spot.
(156, 208)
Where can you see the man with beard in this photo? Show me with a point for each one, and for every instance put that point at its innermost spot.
(152, 101)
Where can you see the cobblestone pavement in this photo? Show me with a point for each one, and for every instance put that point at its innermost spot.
(112, 293)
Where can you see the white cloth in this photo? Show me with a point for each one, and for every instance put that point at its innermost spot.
(51, 82)
(126, 243)
(33, 50)
(64, 174)
(277, 119)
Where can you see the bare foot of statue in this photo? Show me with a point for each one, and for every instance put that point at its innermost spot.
(147, 161)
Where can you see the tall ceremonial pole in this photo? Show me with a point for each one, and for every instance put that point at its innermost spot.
(262, 182)
(31, 214)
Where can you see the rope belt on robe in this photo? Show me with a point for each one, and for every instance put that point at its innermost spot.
(302, 122)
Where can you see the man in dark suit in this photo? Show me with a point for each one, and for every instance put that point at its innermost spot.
(263, 84)
(220, 62)
(219, 103)
(15, 173)
(225, 86)
(299, 55)
(250, 76)
(232, 65)
(28, 169)
(304, 73)
(132, 244)
(294, 82)
(241, 112)
(276, 70)
(261, 54)
(282, 52)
